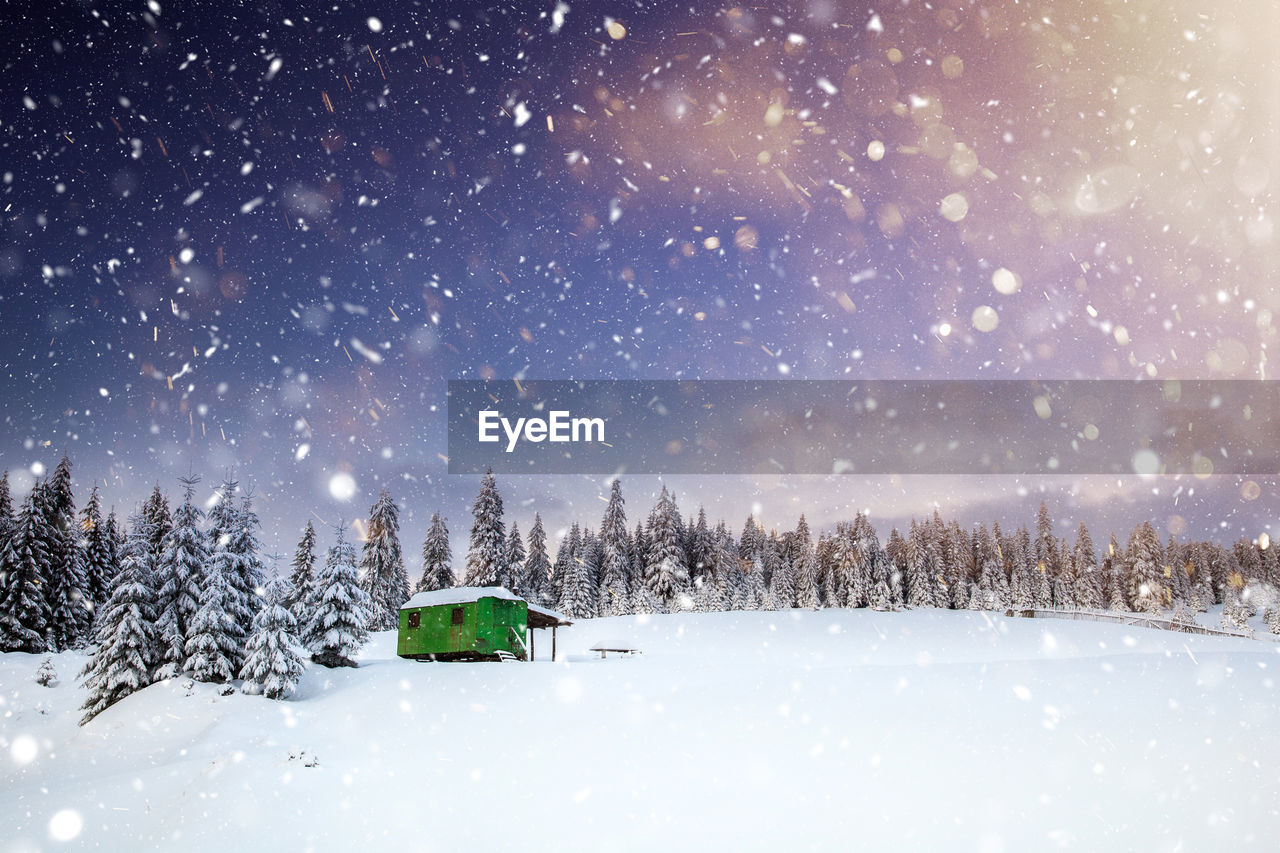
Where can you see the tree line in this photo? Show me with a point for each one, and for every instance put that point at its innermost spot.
(183, 592)
(671, 564)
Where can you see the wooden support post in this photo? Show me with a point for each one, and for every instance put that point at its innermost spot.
(553, 643)
(532, 644)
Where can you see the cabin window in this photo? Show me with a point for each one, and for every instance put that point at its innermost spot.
(415, 619)
(457, 616)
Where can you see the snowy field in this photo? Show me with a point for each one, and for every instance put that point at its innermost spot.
(832, 730)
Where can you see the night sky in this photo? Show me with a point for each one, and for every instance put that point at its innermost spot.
(260, 241)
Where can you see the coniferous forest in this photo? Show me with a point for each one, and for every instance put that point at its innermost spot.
(175, 592)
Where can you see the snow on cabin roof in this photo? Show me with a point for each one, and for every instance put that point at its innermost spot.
(459, 595)
(467, 594)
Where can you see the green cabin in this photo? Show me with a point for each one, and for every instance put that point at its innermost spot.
(473, 623)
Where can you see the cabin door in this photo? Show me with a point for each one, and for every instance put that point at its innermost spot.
(457, 638)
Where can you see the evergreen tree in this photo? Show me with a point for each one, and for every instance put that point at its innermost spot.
(24, 566)
(115, 545)
(1202, 578)
(213, 637)
(880, 596)
(537, 565)
(1041, 591)
(590, 556)
(749, 544)
(699, 554)
(155, 514)
(6, 510)
(1089, 589)
(1271, 566)
(1088, 586)
(67, 589)
(274, 659)
(849, 585)
(573, 578)
(830, 589)
(487, 555)
(615, 566)
(958, 568)
(437, 557)
(756, 589)
(666, 572)
(920, 584)
(181, 576)
(805, 568)
(1064, 583)
(639, 558)
(514, 556)
(382, 572)
(1145, 577)
(128, 646)
(1178, 583)
(568, 547)
(782, 586)
(729, 569)
(302, 573)
(97, 548)
(989, 574)
(338, 609)
(248, 579)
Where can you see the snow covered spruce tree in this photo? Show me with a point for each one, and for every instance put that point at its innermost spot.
(213, 638)
(67, 589)
(302, 572)
(1088, 576)
(382, 573)
(805, 568)
(537, 564)
(98, 549)
(24, 567)
(576, 588)
(337, 608)
(155, 512)
(6, 511)
(251, 577)
(920, 585)
(569, 546)
(128, 644)
(487, 554)
(666, 573)
(615, 567)
(437, 557)
(1145, 576)
(589, 556)
(274, 659)
(179, 577)
(513, 561)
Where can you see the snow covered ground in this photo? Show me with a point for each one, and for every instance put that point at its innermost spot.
(745, 731)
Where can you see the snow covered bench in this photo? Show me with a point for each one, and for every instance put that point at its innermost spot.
(624, 649)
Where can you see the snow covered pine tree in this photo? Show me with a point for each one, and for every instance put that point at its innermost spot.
(274, 658)
(338, 609)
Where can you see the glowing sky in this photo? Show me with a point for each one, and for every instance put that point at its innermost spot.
(261, 240)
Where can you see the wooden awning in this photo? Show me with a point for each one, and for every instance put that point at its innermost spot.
(541, 617)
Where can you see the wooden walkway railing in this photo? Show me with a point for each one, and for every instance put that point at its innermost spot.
(1139, 620)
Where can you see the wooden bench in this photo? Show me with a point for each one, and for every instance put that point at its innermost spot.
(616, 648)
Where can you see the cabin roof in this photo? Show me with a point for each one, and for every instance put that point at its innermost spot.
(539, 617)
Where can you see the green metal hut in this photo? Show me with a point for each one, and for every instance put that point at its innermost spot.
(472, 623)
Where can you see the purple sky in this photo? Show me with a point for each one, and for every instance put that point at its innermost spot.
(261, 241)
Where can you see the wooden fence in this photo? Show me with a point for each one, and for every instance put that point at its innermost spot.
(1139, 620)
